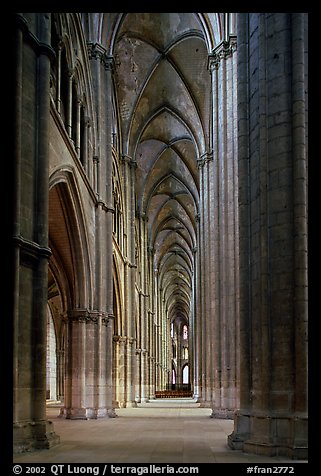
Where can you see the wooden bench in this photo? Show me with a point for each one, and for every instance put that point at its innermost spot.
(173, 393)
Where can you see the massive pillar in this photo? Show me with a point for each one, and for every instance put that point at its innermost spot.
(31, 429)
(218, 231)
(90, 331)
(223, 219)
(272, 418)
(89, 360)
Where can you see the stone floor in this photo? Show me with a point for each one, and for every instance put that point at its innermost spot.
(160, 431)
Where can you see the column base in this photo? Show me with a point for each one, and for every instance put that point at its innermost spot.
(131, 404)
(270, 435)
(269, 449)
(77, 413)
(30, 436)
(222, 413)
(116, 404)
(205, 403)
(111, 413)
(87, 413)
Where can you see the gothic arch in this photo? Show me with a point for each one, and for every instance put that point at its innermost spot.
(117, 333)
(68, 237)
(117, 298)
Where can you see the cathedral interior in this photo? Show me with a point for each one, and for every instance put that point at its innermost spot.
(160, 222)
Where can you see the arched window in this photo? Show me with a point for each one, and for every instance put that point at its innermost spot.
(185, 353)
(51, 375)
(185, 374)
(185, 332)
(173, 377)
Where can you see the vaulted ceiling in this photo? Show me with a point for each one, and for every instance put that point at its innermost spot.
(163, 91)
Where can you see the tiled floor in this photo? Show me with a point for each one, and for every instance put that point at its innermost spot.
(160, 431)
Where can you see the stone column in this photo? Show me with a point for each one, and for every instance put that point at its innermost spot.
(76, 401)
(102, 71)
(106, 370)
(201, 290)
(69, 104)
(108, 63)
(272, 419)
(154, 332)
(116, 376)
(144, 317)
(58, 92)
(119, 363)
(30, 240)
(198, 318)
(77, 127)
(85, 148)
(61, 374)
(218, 225)
(129, 166)
(192, 357)
(151, 325)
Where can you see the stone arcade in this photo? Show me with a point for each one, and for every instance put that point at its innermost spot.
(160, 220)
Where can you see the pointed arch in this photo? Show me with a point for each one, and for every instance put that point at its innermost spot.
(68, 236)
(117, 299)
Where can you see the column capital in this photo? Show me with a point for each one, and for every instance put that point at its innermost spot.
(120, 339)
(150, 249)
(88, 123)
(103, 206)
(204, 158)
(98, 52)
(88, 315)
(129, 263)
(131, 340)
(107, 319)
(126, 159)
(142, 216)
(222, 51)
(83, 315)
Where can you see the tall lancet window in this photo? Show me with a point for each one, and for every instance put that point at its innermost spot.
(185, 332)
(185, 374)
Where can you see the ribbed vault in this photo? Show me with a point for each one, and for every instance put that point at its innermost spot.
(163, 90)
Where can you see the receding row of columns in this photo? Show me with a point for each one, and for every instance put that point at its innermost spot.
(249, 349)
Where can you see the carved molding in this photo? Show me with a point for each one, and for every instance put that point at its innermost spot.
(86, 315)
(98, 52)
(38, 46)
(30, 251)
(204, 158)
(131, 340)
(129, 263)
(119, 339)
(126, 159)
(224, 50)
